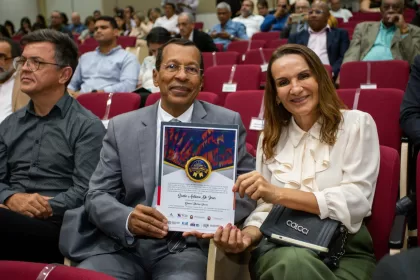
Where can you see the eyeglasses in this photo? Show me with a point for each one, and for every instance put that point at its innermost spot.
(389, 6)
(31, 63)
(282, 6)
(175, 68)
(318, 12)
(4, 58)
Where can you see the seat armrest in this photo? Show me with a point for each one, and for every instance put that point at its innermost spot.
(396, 238)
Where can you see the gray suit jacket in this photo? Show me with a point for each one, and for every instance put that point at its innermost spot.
(364, 37)
(125, 177)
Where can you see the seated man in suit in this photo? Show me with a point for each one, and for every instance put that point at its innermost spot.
(48, 151)
(11, 98)
(410, 107)
(227, 30)
(202, 40)
(391, 38)
(404, 265)
(119, 231)
(109, 68)
(330, 44)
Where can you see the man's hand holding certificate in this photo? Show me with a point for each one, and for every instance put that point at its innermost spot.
(197, 172)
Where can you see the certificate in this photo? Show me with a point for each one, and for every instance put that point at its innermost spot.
(197, 166)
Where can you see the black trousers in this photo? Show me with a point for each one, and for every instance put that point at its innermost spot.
(29, 239)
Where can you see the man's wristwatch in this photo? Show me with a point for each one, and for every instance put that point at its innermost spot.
(231, 37)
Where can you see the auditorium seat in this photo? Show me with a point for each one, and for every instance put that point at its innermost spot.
(84, 48)
(126, 41)
(120, 103)
(385, 74)
(259, 57)
(329, 70)
(266, 36)
(219, 58)
(13, 270)
(90, 41)
(246, 77)
(209, 97)
(199, 25)
(359, 17)
(274, 44)
(242, 46)
(248, 104)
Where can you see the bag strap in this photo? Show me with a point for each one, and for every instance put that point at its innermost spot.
(333, 260)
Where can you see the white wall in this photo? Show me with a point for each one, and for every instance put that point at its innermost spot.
(83, 7)
(14, 10)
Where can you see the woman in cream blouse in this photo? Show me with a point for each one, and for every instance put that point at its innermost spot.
(313, 156)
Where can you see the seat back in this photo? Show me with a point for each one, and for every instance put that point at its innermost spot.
(121, 103)
(199, 25)
(248, 104)
(274, 44)
(385, 74)
(209, 97)
(220, 58)
(84, 48)
(246, 77)
(380, 222)
(384, 107)
(242, 46)
(266, 36)
(255, 56)
(219, 47)
(25, 270)
(126, 41)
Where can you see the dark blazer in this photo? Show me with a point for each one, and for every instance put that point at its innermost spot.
(410, 106)
(337, 44)
(400, 266)
(203, 41)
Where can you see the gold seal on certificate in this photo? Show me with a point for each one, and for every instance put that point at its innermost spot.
(198, 169)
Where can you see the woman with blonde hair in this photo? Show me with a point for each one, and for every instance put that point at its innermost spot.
(313, 156)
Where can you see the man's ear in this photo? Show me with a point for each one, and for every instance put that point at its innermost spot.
(155, 77)
(65, 75)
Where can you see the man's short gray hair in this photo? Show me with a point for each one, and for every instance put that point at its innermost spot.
(189, 16)
(224, 5)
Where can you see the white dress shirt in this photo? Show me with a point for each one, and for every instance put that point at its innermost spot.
(252, 23)
(146, 74)
(162, 116)
(342, 13)
(342, 177)
(318, 43)
(169, 24)
(6, 93)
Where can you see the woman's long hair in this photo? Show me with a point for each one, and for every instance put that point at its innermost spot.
(277, 117)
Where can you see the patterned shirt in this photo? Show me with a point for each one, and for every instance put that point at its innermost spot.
(236, 29)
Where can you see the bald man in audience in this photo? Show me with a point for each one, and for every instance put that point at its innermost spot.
(389, 39)
(76, 27)
(298, 21)
(252, 22)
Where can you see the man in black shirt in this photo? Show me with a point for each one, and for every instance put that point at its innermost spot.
(48, 151)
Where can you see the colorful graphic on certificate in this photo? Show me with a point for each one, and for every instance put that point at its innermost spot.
(197, 168)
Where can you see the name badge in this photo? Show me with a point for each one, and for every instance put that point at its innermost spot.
(105, 123)
(264, 67)
(229, 87)
(256, 124)
(368, 86)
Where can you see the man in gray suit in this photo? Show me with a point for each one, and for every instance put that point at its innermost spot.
(118, 231)
(391, 38)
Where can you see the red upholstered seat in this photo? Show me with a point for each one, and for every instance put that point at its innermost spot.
(220, 58)
(383, 208)
(121, 103)
(274, 44)
(255, 56)
(246, 77)
(266, 36)
(385, 74)
(247, 104)
(209, 97)
(384, 107)
(12, 270)
(242, 46)
(126, 41)
(84, 48)
(199, 25)
(219, 47)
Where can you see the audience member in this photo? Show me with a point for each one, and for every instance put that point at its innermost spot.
(235, 6)
(370, 6)
(10, 27)
(97, 14)
(121, 26)
(252, 22)
(141, 29)
(278, 20)
(314, 157)
(169, 20)
(76, 27)
(153, 14)
(202, 40)
(330, 44)
(404, 265)
(227, 30)
(57, 23)
(120, 232)
(48, 151)
(109, 68)
(157, 37)
(297, 21)
(40, 23)
(410, 107)
(184, 6)
(262, 7)
(89, 32)
(391, 38)
(129, 17)
(25, 27)
(65, 19)
(4, 33)
(11, 97)
(338, 12)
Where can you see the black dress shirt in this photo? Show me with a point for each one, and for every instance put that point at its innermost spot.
(54, 155)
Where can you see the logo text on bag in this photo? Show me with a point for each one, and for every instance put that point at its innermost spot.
(297, 227)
